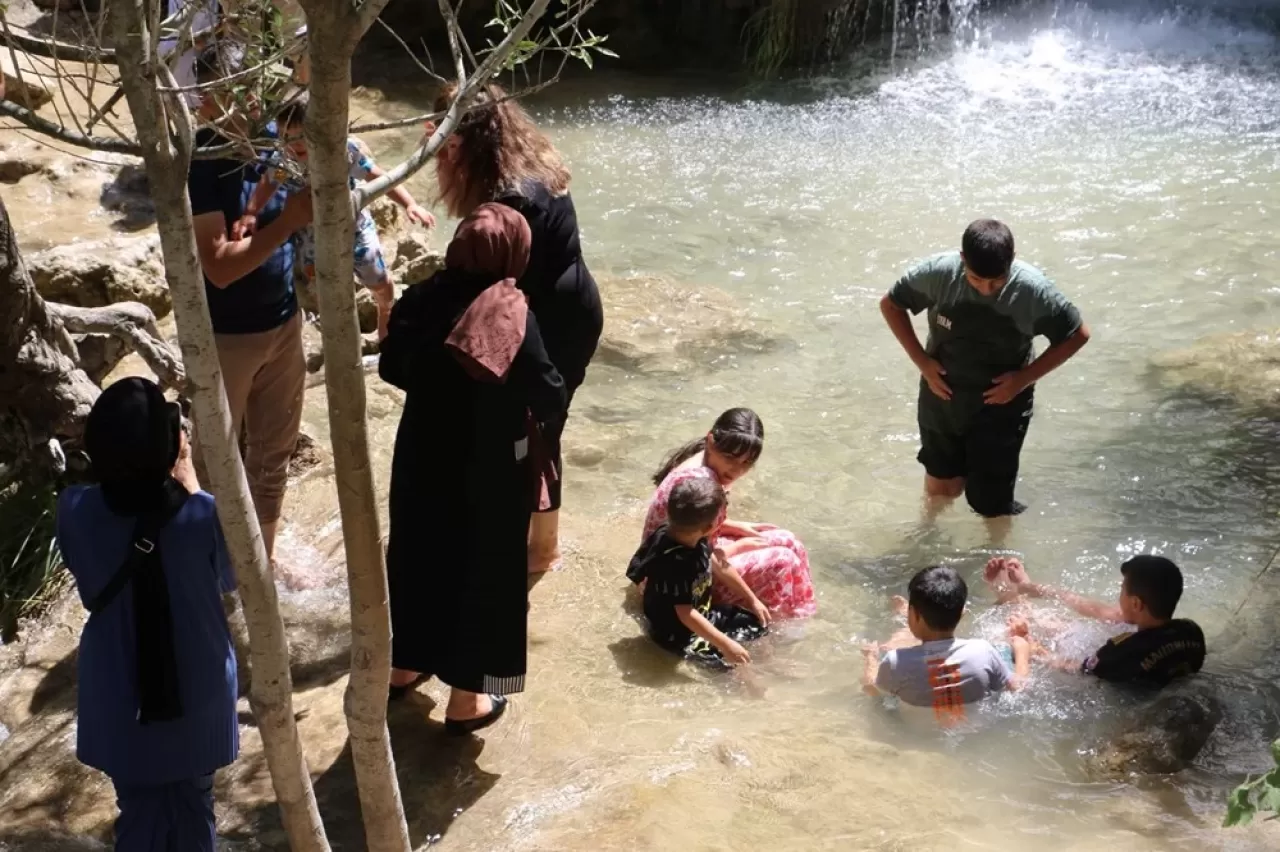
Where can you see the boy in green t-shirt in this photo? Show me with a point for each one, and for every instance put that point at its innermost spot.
(977, 370)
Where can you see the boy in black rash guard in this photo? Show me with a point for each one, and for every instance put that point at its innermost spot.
(675, 567)
(1162, 649)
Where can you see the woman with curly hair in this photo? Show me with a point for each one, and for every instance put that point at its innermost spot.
(498, 154)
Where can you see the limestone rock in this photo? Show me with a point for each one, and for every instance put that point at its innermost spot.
(1242, 368)
(415, 260)
(391, 220)
(129, 193)
(1163, 738)
(307, 455)
(28, 88)
(103, 272)
(656, 326)
(366, 310)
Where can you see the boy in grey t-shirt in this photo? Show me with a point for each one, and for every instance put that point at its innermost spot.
(942, 672)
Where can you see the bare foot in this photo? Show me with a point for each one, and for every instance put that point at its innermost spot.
(403, 677)
(899, 605)
(1016, 572)
(1019, 626)
(464, 706)
(996, 566)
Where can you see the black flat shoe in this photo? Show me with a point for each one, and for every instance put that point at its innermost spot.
(395, 693)
(460, 728)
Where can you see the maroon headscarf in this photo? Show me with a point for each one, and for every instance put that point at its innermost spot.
(492, 242)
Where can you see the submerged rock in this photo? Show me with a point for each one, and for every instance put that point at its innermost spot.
(654, 325)
(1242, 368)
(1163, 738)
(103, 272)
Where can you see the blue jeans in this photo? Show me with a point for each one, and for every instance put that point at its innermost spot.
(175, 817)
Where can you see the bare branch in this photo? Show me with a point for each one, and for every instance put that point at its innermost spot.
(416, 61)
(239, 75)
(455, 37)
(372, 126)
(135, 325)
(54, 49)
(366, 193)
(369, 12)
(57, 131)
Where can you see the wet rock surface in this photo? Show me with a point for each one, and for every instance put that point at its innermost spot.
(102, 272)
(1163, 738)
(1241, 369)
(656, 326)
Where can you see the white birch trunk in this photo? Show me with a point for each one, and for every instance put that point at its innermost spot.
(334, 29)
(271, 690)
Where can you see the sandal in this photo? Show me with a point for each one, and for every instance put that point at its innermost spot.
(395, 693)
(462, 727)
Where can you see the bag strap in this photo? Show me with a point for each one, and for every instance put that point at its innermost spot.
(146, 537)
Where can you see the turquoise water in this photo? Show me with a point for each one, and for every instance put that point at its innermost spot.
(1136, 158)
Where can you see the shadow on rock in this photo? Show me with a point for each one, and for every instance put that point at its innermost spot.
(438, 775)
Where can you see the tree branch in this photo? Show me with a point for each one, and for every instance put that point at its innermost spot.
(416, 61)
(56, 131)
(54, 49)
(132, 323)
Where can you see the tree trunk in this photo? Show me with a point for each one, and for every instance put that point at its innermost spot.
(167, 161)
(334, 28)
(44, 396)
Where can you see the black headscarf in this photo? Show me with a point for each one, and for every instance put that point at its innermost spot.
(133, 439)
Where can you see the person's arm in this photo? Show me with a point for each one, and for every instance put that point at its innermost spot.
(225, 261)
(1087, 607)
(728, 576)
(400, 195)
(911, 294)
(1021, 663)
(871, 669)
(733, 653)
(398, 349)
(1054, 317)
(184, 470)
(262, 192)
(533, 374)
(1007, 386)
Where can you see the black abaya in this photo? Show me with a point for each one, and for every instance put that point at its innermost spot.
(462, 492)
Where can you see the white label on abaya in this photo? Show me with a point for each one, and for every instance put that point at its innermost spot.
(522, 448)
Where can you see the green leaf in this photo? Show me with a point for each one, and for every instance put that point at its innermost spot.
(604, 51)
(1240, 809)
(1275, 752)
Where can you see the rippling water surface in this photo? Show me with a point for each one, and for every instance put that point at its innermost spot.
(1135, 157)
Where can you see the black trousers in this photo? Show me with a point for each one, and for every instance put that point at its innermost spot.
(979, 442)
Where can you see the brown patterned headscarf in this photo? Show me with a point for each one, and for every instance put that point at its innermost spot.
(492, 242)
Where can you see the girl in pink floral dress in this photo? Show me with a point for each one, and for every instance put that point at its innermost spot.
(771, 561)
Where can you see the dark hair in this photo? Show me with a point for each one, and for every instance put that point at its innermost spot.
(738, 433)
(218, 60)
(500, 148)
(1155, 581)
(695, 503)
(938, 595)
(988, 248)
(294, 112)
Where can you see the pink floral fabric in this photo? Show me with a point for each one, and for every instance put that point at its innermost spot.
(778, 573)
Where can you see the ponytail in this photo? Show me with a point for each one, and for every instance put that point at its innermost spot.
(679, 457)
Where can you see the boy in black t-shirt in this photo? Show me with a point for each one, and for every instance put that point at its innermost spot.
(675, 568)
(1162, 649)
